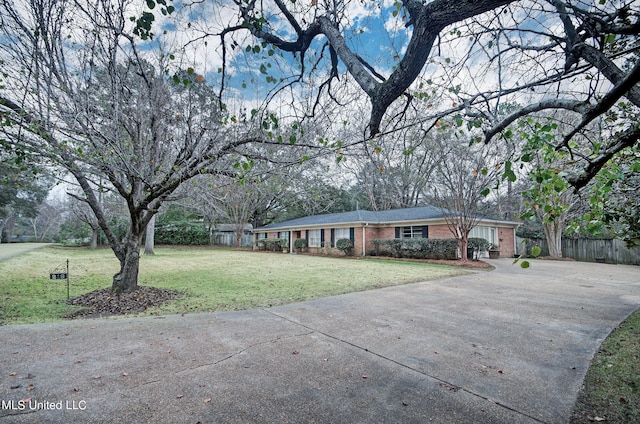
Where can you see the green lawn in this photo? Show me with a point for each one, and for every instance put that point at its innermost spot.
(611, 389)
(211, 279)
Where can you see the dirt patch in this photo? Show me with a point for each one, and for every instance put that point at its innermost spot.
(105, 302)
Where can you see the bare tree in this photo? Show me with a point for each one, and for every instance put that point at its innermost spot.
(396, 172)
(461, 183)
(48, 220)
(577, 56)
(110, 113)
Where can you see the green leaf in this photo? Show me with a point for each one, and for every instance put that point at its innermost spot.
(535, 251)
(151, 4)
(524, 264)
(610, 39)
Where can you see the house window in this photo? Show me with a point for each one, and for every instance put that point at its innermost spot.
(283, 235)
(412, 232)
(487, 233)
(314, 238)
(262, 236)
(342, 233)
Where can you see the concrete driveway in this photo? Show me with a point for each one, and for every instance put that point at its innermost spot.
(9, 250)
(507, 346)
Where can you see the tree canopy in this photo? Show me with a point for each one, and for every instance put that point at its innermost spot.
(472, 58)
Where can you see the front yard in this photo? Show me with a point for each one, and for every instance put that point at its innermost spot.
(209, 279)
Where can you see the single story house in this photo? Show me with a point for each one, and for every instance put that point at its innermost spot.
(362, 227)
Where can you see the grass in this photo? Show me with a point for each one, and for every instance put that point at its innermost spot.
(211, 279)
(611, 389)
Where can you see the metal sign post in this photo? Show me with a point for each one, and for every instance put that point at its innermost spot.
(57, 275)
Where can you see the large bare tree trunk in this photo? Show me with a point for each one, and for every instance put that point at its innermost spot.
(126, 280)
(553, 232)
(149, 240)
(94, 238)
(463, 249)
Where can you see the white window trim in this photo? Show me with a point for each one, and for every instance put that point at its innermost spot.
(314, 238)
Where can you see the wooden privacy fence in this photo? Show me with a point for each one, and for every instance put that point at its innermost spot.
(229, 239)
(588, 250)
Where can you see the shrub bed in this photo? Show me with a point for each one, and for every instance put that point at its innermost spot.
(418, 248)
(275, 245)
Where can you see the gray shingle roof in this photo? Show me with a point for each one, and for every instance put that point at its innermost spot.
(361, 216)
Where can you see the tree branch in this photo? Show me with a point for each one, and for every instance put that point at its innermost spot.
(572, 105)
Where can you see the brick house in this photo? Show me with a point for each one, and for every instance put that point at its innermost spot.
(362, 227)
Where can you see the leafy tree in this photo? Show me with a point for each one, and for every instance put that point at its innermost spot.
(549, 198)
(615, 199)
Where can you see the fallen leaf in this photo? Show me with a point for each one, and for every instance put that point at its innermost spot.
(365, 377)
(295, 352)
(125, 374)
(26, 400)
(500, 372)
(15, 387)
(76, 389)
(207, 400)
(598, 419)
(30, 387)
(95, 377)
(30, 376)
(405, 403)
(179, 396)
(13, 374)
(623, 400)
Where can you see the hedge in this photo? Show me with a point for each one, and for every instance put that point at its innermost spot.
(190, 235)
(275, 245)
(345, 245)
(478, 244)
(418, 248)
(300, 243)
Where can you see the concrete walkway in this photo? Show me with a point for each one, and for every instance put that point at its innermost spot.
(508, 346)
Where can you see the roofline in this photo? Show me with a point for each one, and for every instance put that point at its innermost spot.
(433, 221)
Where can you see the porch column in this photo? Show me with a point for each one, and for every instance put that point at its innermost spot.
(290, 241)
(364, 240)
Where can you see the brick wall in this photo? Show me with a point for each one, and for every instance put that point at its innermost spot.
(440, 231)
(505, 235)
(507, 240)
